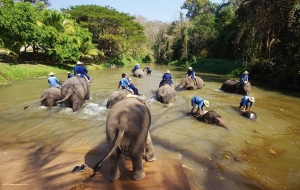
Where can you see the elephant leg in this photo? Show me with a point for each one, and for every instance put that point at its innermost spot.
(113, 171)
(138, 170)
(149, 150)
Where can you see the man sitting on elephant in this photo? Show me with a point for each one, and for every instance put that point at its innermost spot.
(196, 100)
(244, 78)
(124, 83)
(53, 81)
(148, 70)
(69, 74)
(246, 103)
(81, 71)
(131, 85)
(137, 66)
(191, 73)
(166, 78)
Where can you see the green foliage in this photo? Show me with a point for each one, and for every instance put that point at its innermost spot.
(148, 59)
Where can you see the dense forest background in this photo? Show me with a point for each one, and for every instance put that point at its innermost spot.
(261, 35)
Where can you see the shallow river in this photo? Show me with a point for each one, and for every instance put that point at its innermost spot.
(262, 154)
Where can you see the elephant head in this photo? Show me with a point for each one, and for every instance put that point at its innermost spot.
(127, 131)
(212, 117)
(166, 94)
(116, 96)
(189, 84)
(49, 97)
(250, 114)
(74, 92)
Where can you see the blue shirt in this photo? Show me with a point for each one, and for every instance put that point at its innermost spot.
(53, 81)
(243, 78)
(197, 101)
(136, 67)
(124, 82)
(80, 70)
(246, 102)
(190, 73)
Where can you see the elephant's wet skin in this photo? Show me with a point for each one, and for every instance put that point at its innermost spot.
(116, 96)
(211, 117)
(138, 73)
(189, 84)
(74, 92)
(249, 114)
(127, 131)
(166, 94)
(49, 97)
(233, 86)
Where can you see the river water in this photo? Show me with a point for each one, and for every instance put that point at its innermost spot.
(262, 154)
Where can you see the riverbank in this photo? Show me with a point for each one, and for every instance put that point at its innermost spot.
(16, 72)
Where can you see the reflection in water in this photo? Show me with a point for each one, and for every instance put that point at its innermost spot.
(260, 154)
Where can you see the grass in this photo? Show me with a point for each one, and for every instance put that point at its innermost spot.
(17, 72)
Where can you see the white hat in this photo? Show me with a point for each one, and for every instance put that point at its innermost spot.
(68, 72)
(252, 99)
(137, 64)
(51, 73)
(190, 68)
(206, 103)
(246, 72)
(168, 71)
(79, 63)
(129, 79)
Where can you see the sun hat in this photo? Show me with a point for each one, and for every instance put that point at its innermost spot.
(252, 99)
(79, 63)
(190, 68)
(137, 64)
(246, 73)
(168, 71)
(129, 79)
(51, 73)
(68, 72)
(206, 103)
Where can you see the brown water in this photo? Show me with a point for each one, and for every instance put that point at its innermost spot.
(262, 154)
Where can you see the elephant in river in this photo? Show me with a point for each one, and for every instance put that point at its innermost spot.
(189, 84)
(211, 117)
(166, 94)
(74, 91)
(49, 97)
(249, 114)
(116, 96)
(127, 132)
(138, 73)
(234, 86)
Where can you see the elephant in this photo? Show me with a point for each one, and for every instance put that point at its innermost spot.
(234, 86)
(127, 132)
(49, 97)
(138, 73)
(211, 117)
(189, 84)
(249, 114)
(74, 91)
(116, 96)
(166, 94)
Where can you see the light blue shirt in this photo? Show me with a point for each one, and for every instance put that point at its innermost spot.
(197, 101)
(53, 81)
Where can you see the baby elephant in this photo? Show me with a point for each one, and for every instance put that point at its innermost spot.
(211, 117)
(127, 131)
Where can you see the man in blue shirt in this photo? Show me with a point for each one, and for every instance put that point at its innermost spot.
(200, 102)
(246, 103)
(53, 81)
(137, 66)
(166, 78)
(131, 86)
(244, 78)
(191, 73)
(80, 70)
(124, 83)
(148, 70)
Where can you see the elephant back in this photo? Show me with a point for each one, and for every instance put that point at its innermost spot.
(115, 97)
(166, 94)
(200, 82)
(139, 73)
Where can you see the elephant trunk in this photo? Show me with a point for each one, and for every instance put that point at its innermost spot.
(220, 123)
(25, 107)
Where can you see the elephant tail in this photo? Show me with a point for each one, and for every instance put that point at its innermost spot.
(25, 107)
(67, 96)
(117, 144)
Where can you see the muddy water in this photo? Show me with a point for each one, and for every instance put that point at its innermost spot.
(262, 154)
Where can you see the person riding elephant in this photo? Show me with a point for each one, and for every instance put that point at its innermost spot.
(136, 66)
(246, 103)
(244, 78)
(74, 92)
(196, 100)
(234, 86)
(166, 79)
(69, 74)
(166, 94)
(124, 83)
(131, 85)
(148, 70)
(81, 71)
(138, 73)
(189, 84)
(127, 132)
(49, 97)
(191, 73)
(211, 117)
(53, 81)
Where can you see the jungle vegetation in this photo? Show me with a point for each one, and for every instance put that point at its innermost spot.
(261, 36)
